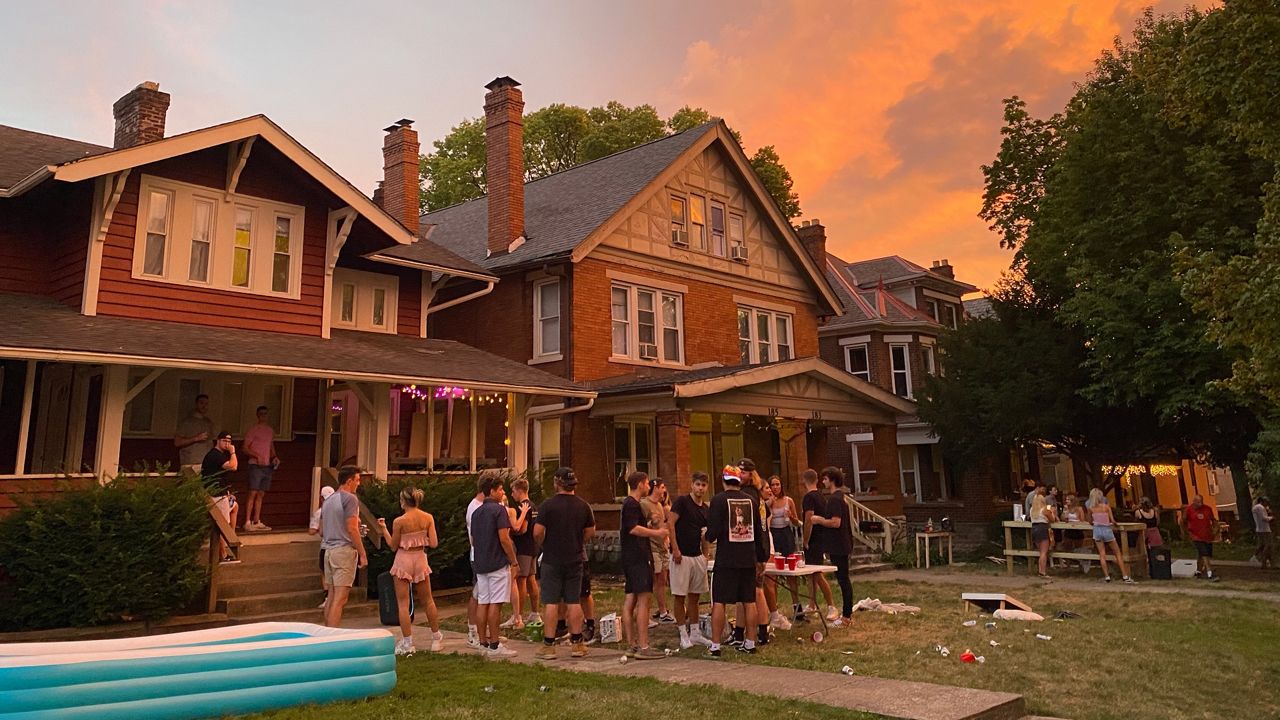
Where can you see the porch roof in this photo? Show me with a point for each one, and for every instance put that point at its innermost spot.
(807, 388)
(38, 328)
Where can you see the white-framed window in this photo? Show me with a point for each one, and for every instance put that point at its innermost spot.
(679, 221)
(156, 411)
(908, 471)
(930, 363)
(864, 466)
(718, 244)
(546, 443)
(900, 367)
(764, 335)
(191, 235)
(931, 308)
(364, 300)
(632, 448)
(546, 318)
(647, 324)
(737, 231)
(949, 316)
(698, 222)
(857, 362)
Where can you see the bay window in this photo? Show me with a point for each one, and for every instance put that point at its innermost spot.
(764, 335)
(856, 362)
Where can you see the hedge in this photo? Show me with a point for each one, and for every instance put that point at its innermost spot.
(124, 551)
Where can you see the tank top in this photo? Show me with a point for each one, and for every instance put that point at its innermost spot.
(413, 540)
(1100, 518)
(1153, 521)
(779, 517)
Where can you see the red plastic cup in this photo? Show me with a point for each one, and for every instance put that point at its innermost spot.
(779, 562)
(791, 562)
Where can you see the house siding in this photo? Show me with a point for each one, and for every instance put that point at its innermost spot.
(44, 240)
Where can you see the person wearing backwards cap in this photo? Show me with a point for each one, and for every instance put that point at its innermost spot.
(565, 523)
(734, 525)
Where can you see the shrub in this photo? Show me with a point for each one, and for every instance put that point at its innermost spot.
(126, 550)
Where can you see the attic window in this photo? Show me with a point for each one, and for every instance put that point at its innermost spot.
(679, 228)
(717, 230)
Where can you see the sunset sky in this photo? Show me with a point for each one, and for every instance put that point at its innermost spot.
(883, 111)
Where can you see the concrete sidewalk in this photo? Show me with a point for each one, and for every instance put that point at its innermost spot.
(939, 576)
(890, 698)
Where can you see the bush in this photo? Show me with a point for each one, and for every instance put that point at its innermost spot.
(127, 550)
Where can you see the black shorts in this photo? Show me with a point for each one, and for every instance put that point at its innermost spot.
(561, 583)
(784, 540)
(586, 579)
(1039, 532)
(638, 577)
(1203, 549)
(733, 585)
(813, 556)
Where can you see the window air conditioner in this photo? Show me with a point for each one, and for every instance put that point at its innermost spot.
(648, 351)
(680, 237)
(738, 252)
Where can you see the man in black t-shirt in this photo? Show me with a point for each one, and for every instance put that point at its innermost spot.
(565, 523)
(814, 507)
(220, 460)
(688, 520)
(839, 538)
(734, 525)
(637, 568)
(526, 553)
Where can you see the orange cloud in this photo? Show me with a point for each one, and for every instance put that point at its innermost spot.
(884, 112)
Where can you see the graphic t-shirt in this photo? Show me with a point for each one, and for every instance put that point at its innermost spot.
(525, 544)
(815, 503)
(691, 518)
(734, 525)
(564, 517)
(1200, 523)
(486, 521)
(635, 549)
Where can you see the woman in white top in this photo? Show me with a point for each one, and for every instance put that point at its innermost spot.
(1042, 513)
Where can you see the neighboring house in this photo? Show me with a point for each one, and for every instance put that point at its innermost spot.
(894, 312)
(231, 261)
(665, 278)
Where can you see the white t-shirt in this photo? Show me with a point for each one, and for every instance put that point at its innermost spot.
(1260, 522)
(315, 520)
(471, 509)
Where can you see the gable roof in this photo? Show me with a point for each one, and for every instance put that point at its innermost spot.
(561, 209)
(868, 306)
(73, 161)
(867, 273)
(570, 212)
(24, 152)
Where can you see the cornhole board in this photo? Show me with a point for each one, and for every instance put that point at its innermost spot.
(991, 602)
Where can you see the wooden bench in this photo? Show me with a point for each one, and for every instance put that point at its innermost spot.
(1134, 554)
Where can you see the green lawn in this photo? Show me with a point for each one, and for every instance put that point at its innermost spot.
(454, 687)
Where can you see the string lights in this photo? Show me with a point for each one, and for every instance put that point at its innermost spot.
(452, 392)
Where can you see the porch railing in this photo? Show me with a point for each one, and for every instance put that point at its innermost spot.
(219, 530)
(864, 517)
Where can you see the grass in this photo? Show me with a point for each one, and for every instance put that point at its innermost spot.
(1246, 579)
(469, 688)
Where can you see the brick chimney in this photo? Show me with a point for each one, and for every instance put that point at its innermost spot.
(399, 190)
(813, 236)
(504, 163)
(140, 115)
(943, 267)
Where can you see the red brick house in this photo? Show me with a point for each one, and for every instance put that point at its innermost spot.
(231, 261)
(664, 278)
(894, 313)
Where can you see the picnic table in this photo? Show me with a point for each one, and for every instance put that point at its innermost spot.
(1134, 554)
(772, 574)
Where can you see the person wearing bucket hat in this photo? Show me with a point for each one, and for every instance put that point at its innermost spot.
(734, 525)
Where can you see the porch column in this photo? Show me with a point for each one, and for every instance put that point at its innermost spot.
(381, 424)
(24, 423)
(673, 449)
(884, 447)
(518, 432)
(115, 387)
(793, 445)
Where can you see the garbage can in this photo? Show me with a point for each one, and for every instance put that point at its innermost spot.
(1159, 563)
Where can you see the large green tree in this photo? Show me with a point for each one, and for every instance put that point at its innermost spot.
(559, 136)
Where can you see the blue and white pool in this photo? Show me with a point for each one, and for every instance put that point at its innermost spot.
(206, 673)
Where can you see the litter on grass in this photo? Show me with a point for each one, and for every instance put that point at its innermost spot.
(1066, 615)
(543, 688)
(1043, 637)
(970, 623)
(846, 652)
(981, 659)
(868, 604)
(993, 643)
(1017, 615)
(846, 670)
(488, 688)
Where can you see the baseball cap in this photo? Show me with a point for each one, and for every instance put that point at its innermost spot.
(325, 492)
(565, 477)
(746, 464)
(223, 434)
(731, 475)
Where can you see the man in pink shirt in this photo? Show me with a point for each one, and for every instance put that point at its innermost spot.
(259, 445)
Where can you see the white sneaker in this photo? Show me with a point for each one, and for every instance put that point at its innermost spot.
(473, 637)
(685, 642)
(653, 623)
(405, 647)
(437, 641)
(832, 613)
(501, 651)
(263, 527)
(776, 620)
(510, 623)
(811, 608)
(531, 618)
(697, 638)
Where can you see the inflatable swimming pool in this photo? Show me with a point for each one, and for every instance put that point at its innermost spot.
(206, 673)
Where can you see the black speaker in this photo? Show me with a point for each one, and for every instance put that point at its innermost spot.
(1159, 564)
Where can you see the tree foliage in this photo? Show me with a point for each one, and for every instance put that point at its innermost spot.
(559, 136)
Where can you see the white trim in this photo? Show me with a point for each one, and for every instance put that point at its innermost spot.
(941, 296)
(915, 472)
(764, 304)
(924, 340)
(367, 284)
(856, 340)
(694, 274)
(899, 338)
(774, 342)
(859, 437)
(659, 328)
(24, 422)
(620, 360)
(906, 369)
(378, 257)
(632, 279)
(546, 359)
(237, 156)
(539, 353)
(848, 366)
(93, 257)
(813, 365)
(76, 356)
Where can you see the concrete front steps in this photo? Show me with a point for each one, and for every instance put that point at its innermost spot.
(278, 580)
(865, 560)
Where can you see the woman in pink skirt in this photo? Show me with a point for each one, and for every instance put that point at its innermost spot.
(412, 533)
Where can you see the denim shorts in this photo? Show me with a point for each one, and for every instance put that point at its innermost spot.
(1103, 534)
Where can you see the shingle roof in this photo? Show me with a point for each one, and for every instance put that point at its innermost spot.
(870, 272)
(627, 384)
(863, 305)
(23, 152)
(979, 307)
(36, 323)
(560, 210)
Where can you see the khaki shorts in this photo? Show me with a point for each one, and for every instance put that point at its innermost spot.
(340, 566)
(661, 559)
(689, 576)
